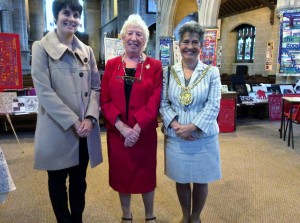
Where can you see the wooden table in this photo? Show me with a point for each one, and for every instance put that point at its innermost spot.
(292, 101)
(19, 121)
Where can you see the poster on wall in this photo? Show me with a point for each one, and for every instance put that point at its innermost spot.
(289, 44)
(165, 50)
(10, 62)
(112, 47)
(209, 49)
(269, 56)
(176, 54)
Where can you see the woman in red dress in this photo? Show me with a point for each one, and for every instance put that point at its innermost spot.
(130, 98)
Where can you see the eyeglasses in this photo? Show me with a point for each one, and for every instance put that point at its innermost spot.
(129, 79)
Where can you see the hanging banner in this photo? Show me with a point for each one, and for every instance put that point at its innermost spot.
(289, 44)
(209, 48)
(165, 50)
(10, 62)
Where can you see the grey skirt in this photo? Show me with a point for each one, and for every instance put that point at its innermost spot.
(195, 161)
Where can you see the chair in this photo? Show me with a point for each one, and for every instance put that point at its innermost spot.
(295, 119)
(286, 113)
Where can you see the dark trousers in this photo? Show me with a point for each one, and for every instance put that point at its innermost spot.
(77, 187)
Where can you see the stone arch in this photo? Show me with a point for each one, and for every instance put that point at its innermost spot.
(168, 13)
(238, 24)
(208, 11)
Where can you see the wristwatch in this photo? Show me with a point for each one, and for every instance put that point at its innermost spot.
(92, 119)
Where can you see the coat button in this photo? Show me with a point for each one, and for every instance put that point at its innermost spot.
(80, 74)
(85, 60)
(86, 94)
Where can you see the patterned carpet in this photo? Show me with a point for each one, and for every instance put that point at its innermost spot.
(260, 184)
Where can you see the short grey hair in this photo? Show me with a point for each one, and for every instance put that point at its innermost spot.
(191, 27)
(135, 20)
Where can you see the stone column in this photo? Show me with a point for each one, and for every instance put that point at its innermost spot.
(36, 19)
(20, 27)
(6, 15)
(208, 11)
(124, 10)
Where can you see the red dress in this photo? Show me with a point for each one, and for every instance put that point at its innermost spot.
(132, 170)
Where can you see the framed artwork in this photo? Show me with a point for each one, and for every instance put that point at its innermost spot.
(151, 6)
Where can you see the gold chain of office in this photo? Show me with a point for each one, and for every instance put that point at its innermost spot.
(186, 96)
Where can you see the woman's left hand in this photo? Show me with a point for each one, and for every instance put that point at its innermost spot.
(85, 128)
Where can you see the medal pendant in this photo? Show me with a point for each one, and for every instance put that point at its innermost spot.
(185, 97)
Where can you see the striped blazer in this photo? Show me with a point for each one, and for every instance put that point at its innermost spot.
(204, 109)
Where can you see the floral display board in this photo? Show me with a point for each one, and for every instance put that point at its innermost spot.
(10, 62)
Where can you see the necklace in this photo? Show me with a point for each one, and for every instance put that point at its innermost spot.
(132, 79)
(186, 97)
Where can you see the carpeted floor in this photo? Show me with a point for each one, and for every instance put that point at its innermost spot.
(260, 184)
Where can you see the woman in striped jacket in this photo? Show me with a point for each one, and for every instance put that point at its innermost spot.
(189, 108)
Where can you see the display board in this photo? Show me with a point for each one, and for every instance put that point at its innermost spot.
(289, 44)
(10, 62)
(112, 47)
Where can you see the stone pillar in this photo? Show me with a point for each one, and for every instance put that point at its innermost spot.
(283, 5)
(20, 27)
(208, 12)
(6, 16)
(124, 10)
(36, 19)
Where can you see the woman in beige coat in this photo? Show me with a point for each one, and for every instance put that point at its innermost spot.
(67, 134)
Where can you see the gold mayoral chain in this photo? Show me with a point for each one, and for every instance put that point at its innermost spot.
(186, 97)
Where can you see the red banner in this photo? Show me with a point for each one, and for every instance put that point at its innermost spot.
(226, 117)
(275, 107)
(10, 62)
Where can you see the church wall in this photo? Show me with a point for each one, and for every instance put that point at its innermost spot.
(264, 32)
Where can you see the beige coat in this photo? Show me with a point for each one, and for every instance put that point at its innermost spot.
(67, 85)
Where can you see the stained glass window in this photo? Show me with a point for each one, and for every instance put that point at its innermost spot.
(50, 20)
(245, 43)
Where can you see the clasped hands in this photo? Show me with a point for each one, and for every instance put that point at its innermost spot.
(83, 128)
(184, 131)
(131, 135)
